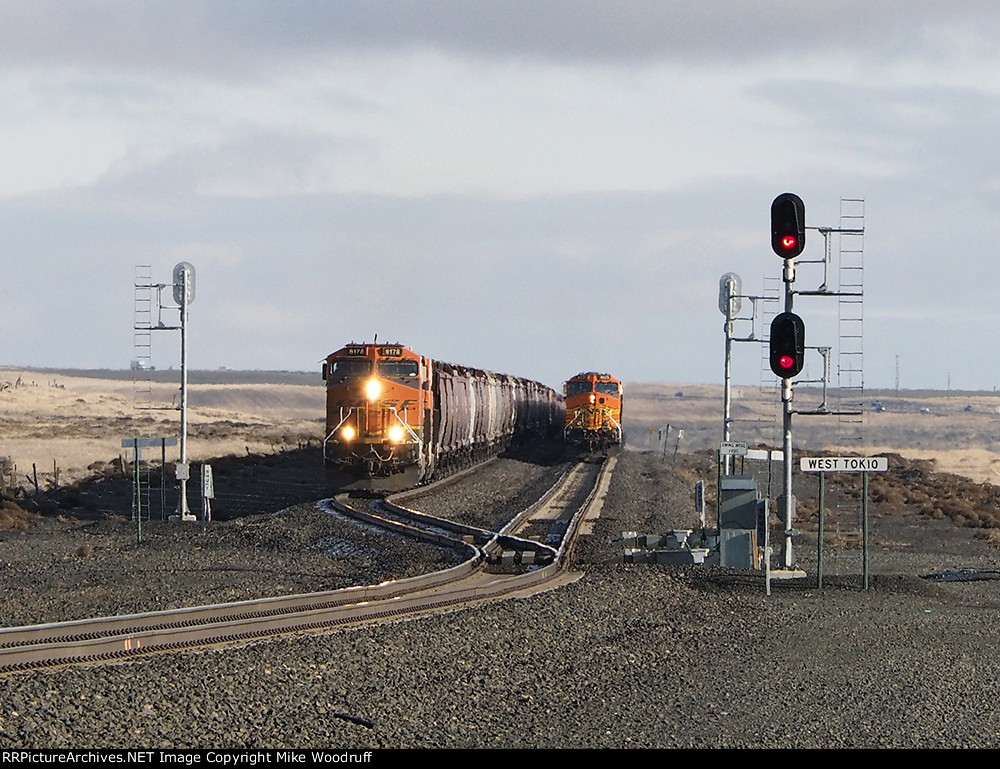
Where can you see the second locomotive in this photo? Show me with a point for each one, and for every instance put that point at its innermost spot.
(594, 410)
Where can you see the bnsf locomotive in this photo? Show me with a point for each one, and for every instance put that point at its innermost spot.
(593, 410)
(391, 413)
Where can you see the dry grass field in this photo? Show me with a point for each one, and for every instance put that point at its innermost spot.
(61, 422)
(71, 424)
(74, 419)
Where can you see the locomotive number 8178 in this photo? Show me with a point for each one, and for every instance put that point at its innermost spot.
(394, 414)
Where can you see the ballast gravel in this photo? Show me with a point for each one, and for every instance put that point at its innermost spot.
(627, 656)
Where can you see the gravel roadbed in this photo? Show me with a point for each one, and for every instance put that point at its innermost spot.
(628, 656)
(63, 570)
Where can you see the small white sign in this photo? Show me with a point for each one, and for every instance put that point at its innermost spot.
(207, 482)
(772, 455)
(733, 448)
(844, 464)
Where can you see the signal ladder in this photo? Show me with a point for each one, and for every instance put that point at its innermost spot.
(851, 319)
(772, 294)
(142, 339)
(142, 379)
(850, 367)
(146, 302)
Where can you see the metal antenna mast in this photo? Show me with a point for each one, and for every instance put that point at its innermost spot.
(184, 295)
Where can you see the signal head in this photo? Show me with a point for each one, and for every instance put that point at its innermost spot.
(788, 225)
(787, 345)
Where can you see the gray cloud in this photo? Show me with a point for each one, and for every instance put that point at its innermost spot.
(542, 286)
(233, 37)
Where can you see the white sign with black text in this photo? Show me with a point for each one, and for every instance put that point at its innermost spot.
(844, 464)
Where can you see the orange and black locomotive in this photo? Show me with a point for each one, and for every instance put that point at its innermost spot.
(594, 410)
(391, 413)
(377, 403)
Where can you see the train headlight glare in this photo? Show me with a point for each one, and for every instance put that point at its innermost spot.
(396, 434)
(373, 389)
(348, 433)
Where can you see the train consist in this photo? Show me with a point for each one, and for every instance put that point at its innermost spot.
(593, 410)
(401, 418)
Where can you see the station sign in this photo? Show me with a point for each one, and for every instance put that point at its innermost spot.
(844, 464)
(733, 448)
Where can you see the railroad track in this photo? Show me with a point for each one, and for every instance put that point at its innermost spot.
(535, 564)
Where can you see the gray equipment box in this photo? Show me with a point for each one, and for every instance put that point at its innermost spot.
(738, 548)
(737, 502)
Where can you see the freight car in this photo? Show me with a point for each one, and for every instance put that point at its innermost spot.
(594, 410)
(394, 414)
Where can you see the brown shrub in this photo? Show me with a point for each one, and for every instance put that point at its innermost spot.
(992, 536)
(914, 497)
(990, 519)
(13, 516)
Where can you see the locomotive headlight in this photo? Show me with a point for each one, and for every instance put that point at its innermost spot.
(373, 389)
(591, 397)
(396, 434)
(348, 433)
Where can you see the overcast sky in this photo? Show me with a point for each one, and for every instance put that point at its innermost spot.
(537, 187)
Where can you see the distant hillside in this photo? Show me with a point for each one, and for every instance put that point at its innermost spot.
(903, 419)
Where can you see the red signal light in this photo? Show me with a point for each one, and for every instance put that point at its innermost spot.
(788, 225)
(787, 345)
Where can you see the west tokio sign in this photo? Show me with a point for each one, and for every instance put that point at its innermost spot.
(844, 464)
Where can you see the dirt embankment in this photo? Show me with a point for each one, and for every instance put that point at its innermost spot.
(959, 430)
(910, 487)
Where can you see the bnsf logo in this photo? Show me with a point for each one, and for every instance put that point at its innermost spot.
(409, 403)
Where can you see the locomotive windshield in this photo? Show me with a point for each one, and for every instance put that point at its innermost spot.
(577, 388)
(398, 369)
(350, 367)
(608, 388)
